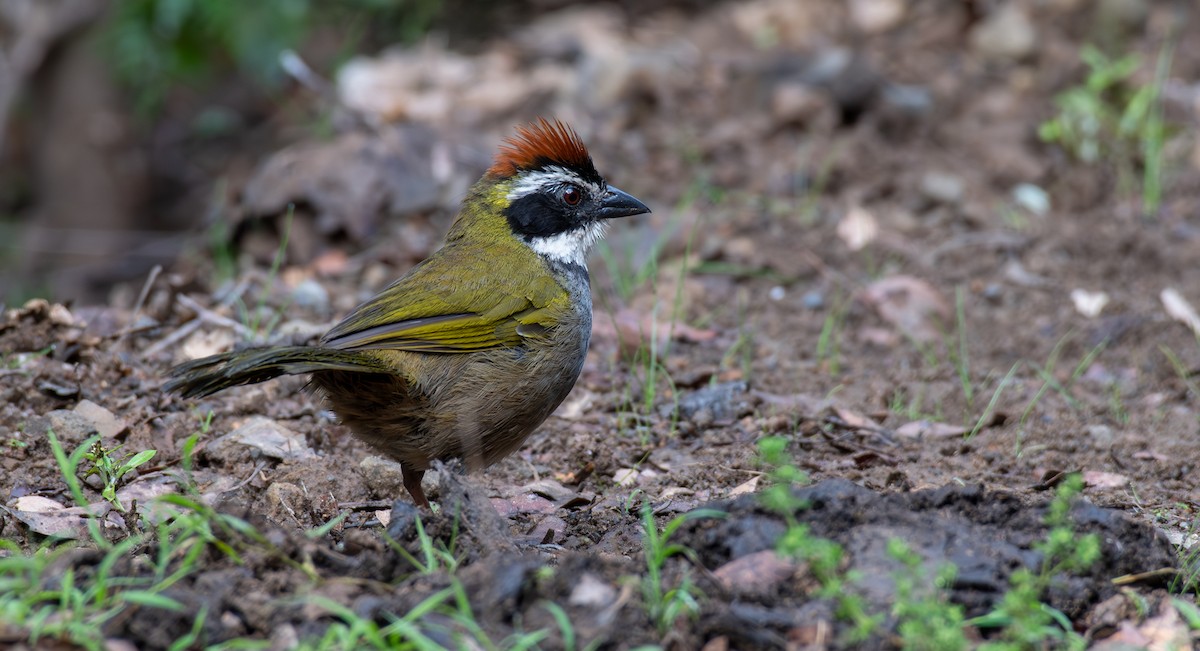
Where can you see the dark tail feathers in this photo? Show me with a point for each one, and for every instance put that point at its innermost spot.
(203, 377)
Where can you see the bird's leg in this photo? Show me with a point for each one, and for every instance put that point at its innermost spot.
(412, 484)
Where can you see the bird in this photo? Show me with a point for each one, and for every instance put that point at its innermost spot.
(466, 354)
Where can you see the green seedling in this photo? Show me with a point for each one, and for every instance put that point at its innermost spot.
(15, 362)
(990, 410)
(912, 407)
(666, 605)
(959, 355)
(252, 319)
(1181, 369)
(829, 342)
(111, 471)
(1188, 611)
(925, 619)
(567, 629)
(1110, 119)
(1024, 621)
(435, 556)
(823, 556)
(1187, 579)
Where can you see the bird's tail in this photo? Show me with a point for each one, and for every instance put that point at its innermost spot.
(206, 376)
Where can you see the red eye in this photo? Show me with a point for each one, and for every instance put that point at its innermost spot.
(571, 195)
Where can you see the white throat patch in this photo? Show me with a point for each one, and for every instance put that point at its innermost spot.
(571, 247)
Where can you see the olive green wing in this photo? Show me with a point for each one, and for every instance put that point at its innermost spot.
(455, 302)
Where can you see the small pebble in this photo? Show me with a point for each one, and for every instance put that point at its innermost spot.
(592, 592)
(105, 422)
(1005, 34)
(383, 476)
(875, 16)
(312, 295)
(813, 300)
(942, 187)
(1032, 198)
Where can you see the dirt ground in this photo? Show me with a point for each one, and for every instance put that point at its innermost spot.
(869, 252)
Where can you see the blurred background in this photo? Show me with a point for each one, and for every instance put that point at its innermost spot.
(133, 132)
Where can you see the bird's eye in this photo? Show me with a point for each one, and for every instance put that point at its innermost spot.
(571, 195)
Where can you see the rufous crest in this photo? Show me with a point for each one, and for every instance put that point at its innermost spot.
(540, 144)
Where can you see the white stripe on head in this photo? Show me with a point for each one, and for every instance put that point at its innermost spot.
(528, 183)
(570, 247)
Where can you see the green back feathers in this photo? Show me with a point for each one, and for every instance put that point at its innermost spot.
(472, 298)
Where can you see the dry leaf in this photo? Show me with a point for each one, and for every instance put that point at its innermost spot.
(759, 573)
(521, 504)
(854, 419)
(1101, 479)
(1180, 309)
(625, 476)
(910, 304)
(857, 228)
(384, 516)
(49, 518)
(930, 429)
(1089, 304)
(745, 487)
(1163, 632)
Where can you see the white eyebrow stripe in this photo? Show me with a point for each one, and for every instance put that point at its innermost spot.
(528, 183)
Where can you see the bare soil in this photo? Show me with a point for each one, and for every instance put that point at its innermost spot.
(942, 408)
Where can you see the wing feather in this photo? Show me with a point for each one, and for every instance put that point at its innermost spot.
(430, 312)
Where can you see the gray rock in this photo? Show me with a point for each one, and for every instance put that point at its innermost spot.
(1007, 34)
(312, 295)
(104, 421)
(70, 428)
(942, 187)
(382, 476)
(721, 402)
(262, 436)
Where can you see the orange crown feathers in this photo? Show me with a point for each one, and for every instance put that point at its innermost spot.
(540, 144)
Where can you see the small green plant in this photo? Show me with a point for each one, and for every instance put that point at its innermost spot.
(829, 342)
(824, 557)
(809, 206)
(156, 45)
(110, 470)
(444, 615)
(1024, 622)
(1181, 369)
(435, 556)
(567, 629)
(1109, 119)
(925, 620)
(912, 407)
(1187, 579)
(1049, 381)
(45, 597)
(666, 605)
(990, 411)
(1189, 612)
(219, 238)
(253, 319)
(646, 362)
(1116, 404)
(17, 361)
(958, 353)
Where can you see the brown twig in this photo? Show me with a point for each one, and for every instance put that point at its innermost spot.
(141, 302)
(203, 315)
